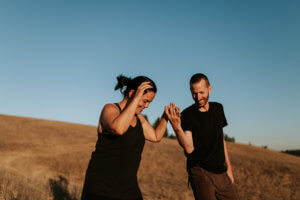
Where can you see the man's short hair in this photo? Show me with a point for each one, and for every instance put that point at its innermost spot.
(197, 78)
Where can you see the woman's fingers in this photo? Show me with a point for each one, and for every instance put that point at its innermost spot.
(145, 85)
(167, 111)
(141, 89)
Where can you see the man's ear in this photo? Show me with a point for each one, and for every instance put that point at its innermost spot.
(130, 93)
(209, 89)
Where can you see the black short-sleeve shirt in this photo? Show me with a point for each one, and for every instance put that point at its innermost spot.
(207, 132)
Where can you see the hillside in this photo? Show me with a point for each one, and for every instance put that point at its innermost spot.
(42, 159)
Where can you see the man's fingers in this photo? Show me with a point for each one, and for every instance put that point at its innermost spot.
(171, 108)
(173, 112)
(177, 111)
(174, 109)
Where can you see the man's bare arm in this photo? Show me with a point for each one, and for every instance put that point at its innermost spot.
(227, 161)
(184, 138)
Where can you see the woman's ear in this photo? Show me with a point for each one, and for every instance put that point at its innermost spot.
(131, 93)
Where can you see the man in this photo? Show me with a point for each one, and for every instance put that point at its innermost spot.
(199, 131)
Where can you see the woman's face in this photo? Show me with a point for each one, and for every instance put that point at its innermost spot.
(145, 101)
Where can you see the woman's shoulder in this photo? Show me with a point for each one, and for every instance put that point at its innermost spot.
(110, 108)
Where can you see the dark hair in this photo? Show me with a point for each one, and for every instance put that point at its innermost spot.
(133, 84)
(198, 77)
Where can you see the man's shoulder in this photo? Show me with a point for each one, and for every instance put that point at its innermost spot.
(216, 105)
(188, 113)
(188, 110)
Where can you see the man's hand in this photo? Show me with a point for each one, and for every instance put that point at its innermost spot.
(229, 173)
(173, 114)
(185, 138)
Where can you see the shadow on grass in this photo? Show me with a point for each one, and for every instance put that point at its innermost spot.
(59, 189)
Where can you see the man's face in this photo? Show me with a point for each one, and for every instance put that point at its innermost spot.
(200, 92)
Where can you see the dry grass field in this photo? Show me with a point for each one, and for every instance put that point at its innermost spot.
(42, 159)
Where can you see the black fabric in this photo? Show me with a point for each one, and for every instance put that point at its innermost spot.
(207, 132)
(97, 197)
(112, 170)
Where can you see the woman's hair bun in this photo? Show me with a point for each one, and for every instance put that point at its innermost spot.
(133, 84)
(122, 81)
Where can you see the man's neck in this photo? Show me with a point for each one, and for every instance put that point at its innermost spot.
(204, 108)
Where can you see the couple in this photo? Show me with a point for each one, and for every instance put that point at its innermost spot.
(122, 130)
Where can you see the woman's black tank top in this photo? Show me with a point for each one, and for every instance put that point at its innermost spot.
(112, 171)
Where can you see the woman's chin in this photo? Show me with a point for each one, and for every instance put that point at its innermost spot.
(139, 111)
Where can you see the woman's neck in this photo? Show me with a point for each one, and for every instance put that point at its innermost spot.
(123, 103)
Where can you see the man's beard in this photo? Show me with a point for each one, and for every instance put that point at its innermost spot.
(202, 101)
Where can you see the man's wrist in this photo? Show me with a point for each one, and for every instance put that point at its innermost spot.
(177, 129)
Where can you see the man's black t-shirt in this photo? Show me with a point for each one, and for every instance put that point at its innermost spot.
(207, 132)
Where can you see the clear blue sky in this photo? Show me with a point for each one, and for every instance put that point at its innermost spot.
(59, 60)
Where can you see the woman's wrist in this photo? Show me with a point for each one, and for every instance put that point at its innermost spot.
(164, 116)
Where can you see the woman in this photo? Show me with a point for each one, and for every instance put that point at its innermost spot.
(122, 130)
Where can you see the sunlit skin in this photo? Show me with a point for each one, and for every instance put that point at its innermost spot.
(132, 105)
(145, 101)
(200, 93)
(124, 120)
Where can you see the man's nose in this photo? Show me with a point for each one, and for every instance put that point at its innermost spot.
(146, 105)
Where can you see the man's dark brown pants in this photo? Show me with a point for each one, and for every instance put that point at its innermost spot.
(211, 186)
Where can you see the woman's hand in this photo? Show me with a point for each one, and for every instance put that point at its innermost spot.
(141, 89)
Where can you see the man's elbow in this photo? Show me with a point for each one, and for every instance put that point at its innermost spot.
(189, 149)
(157, 140)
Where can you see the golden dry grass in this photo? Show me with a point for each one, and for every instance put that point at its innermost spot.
(42, 159)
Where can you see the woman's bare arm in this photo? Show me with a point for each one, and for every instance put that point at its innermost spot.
(151, 134)
(117, 123)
